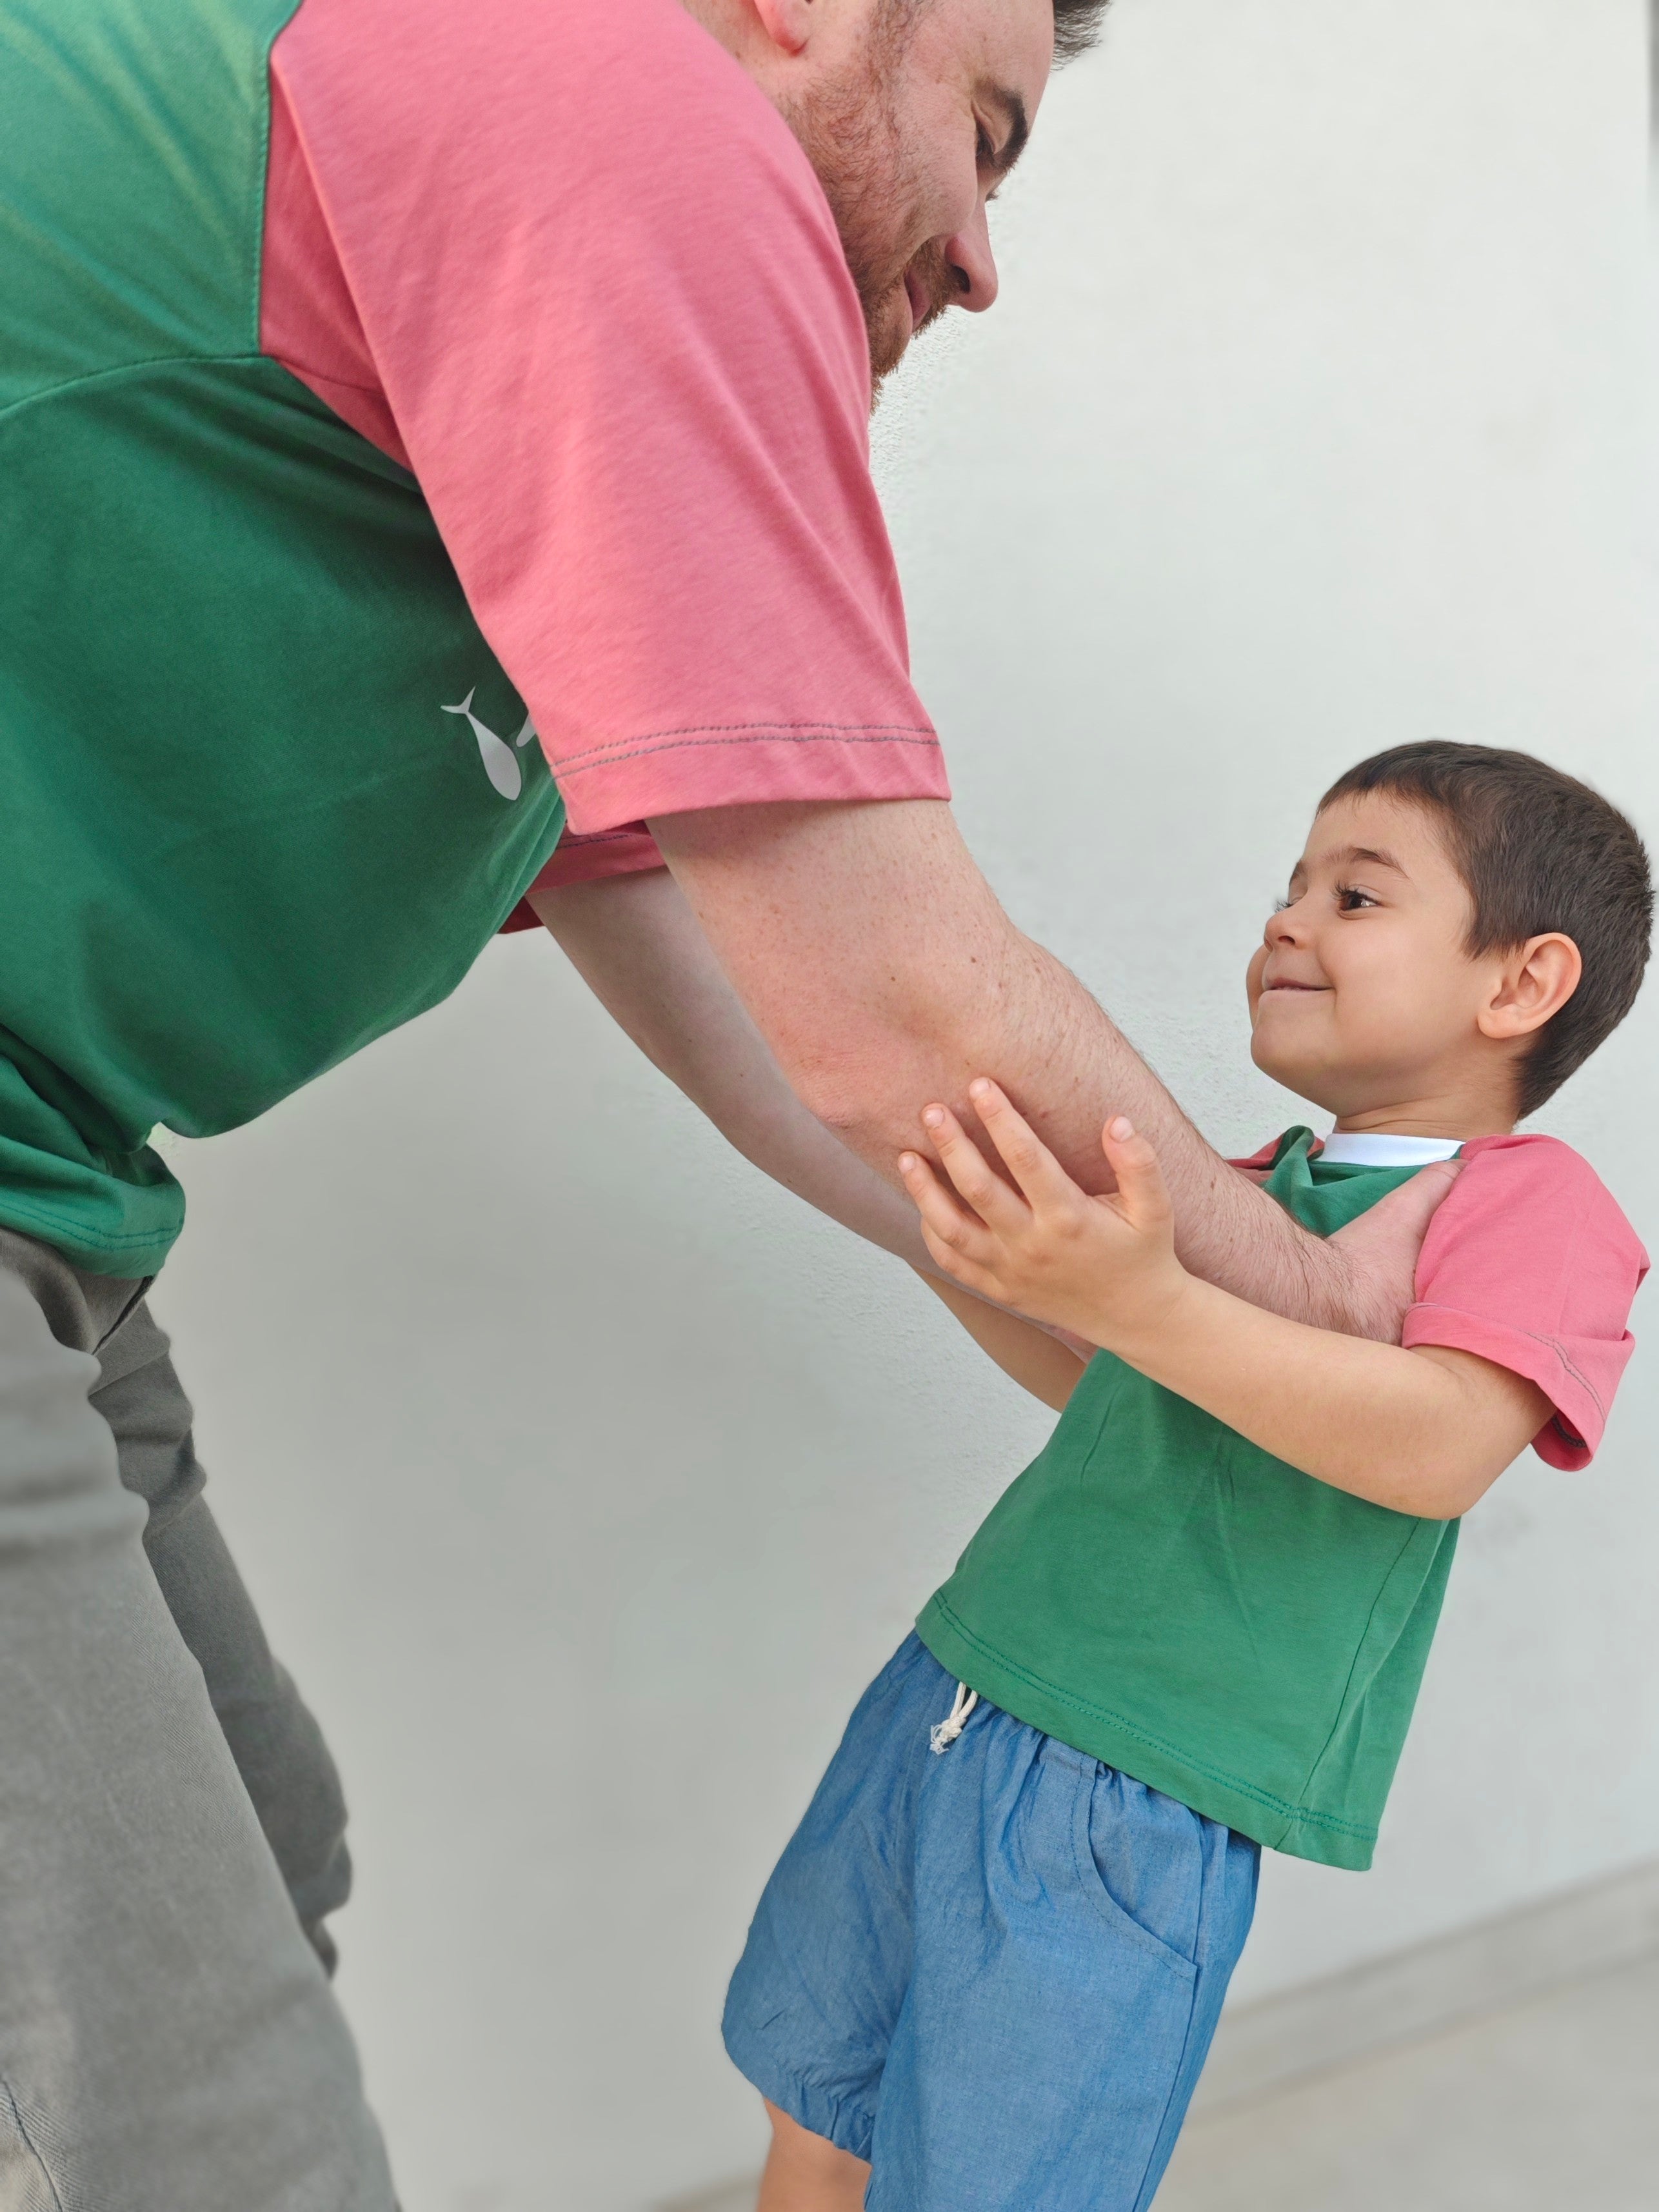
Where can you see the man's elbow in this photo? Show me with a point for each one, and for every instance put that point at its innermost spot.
(859, 1101)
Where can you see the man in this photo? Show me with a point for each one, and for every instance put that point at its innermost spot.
(433, 451)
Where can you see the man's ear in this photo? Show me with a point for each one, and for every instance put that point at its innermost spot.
(788, 23)
(1537, 981)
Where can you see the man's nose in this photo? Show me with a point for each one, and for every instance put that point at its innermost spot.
(970, 260)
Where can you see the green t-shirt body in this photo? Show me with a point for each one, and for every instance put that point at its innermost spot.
(1161, 1594)
(242, 835)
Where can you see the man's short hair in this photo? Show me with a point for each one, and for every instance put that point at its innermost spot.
(1077, 26)
(1077, 23)
(1538, 851)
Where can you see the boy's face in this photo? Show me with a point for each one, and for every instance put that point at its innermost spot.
(1362, 996)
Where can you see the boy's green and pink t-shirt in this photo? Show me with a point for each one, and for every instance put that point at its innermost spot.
(1158, 1591)
(424, 430)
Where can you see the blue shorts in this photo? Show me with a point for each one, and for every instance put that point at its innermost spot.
(994, 1971)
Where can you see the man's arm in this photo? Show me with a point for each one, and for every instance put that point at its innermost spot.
(1026, 1354)
(882, 973)
(636, 945)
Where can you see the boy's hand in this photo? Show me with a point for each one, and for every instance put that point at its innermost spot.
(1105, 1268)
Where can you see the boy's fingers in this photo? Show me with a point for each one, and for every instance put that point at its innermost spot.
(951, 1263)
(941, 1216)
(1041, 1179)
(1142, 1196)
(972, 1174)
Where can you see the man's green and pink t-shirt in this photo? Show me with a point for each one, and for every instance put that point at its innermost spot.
(425, 429)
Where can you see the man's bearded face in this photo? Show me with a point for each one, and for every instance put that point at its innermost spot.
(910, 136)
(851, 130)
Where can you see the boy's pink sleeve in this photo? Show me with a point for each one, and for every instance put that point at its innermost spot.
(564, 259)
(1529, 1263)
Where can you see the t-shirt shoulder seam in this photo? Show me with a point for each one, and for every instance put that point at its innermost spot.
(127, 369)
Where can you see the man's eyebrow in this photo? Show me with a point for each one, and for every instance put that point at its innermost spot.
(1003, 96)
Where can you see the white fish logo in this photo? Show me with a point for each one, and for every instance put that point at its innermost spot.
(500, 759)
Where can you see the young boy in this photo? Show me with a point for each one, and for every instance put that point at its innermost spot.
(990, 1961)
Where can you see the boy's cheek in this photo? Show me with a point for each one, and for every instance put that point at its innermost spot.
(1273, 1055)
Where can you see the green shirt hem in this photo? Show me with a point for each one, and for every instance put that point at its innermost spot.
(131, 1255)
(1140, 1752)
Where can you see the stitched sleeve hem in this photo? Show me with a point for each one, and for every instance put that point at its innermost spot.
(1570, 1438)
(675, 772)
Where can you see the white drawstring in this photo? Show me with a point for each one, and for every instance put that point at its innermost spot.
(943, 1734)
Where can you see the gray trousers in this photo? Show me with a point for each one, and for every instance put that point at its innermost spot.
(171, 1824)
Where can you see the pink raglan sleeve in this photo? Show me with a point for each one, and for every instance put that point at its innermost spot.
(1530, 1264)
(569, 263)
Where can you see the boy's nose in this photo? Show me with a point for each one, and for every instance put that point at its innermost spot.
(1280, 928)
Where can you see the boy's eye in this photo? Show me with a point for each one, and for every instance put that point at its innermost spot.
(1352, 900)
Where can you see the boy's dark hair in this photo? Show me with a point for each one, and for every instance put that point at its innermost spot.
(1538, 851)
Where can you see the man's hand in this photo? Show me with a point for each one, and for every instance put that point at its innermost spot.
(1379, 1252)
(1099, 1266)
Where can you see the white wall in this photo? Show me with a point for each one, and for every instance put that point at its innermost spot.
(584, 1479)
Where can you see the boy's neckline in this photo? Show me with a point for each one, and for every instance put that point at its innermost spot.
(1365, 1148)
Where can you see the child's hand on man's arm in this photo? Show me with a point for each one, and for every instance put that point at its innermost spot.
(1424, 1432)
(1046, 1248)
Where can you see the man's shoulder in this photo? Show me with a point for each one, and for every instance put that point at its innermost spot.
(637, 87)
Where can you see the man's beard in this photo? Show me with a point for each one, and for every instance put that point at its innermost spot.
(850, 132)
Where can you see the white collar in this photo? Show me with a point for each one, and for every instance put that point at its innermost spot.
(1361, 1149)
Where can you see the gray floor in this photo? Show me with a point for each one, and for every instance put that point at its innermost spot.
(1548, 2106)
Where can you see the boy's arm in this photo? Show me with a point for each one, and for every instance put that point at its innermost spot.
(1425, 1431)
(1026, 1354)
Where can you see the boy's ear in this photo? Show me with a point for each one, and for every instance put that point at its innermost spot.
(1538, 980)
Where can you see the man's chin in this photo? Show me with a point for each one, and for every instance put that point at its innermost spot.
(898, 331)
(889, 332)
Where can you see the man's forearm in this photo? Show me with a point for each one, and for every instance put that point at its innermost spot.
(1027, 1353)
(635, 944)
(883, 974)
